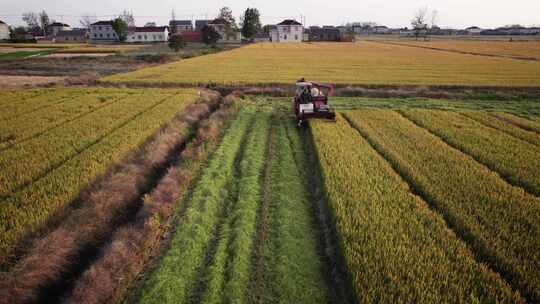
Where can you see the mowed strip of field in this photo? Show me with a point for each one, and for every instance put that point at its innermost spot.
(500, 222)
(515, 49)
(41, 175)
(515, 159)
(395, 247)
(363, 63)
(243, 236)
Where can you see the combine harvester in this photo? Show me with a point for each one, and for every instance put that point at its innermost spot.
(311, 101)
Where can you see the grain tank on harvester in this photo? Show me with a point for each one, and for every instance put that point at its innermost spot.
(311, 102)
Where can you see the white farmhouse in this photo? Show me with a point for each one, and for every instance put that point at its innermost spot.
(57, 27)
(288, 31)
(148, 34)
(102, 31)
(4, 31)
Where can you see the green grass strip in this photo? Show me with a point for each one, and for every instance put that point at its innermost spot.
(173, 280)
(293, 270)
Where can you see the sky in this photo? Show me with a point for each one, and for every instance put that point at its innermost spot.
(392, 13)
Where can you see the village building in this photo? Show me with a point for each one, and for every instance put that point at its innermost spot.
(325, 33)
(381, 30)
(72, 36)
(56, 27)
(473, 30)
(228, 34)
(102, 31)
(288, 31)
(4, 31)
(180, 26)
(148, 34)
(200, 24)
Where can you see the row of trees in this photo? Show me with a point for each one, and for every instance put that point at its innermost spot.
(250, 25)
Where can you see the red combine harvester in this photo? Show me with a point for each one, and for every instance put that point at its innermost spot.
(311, 101)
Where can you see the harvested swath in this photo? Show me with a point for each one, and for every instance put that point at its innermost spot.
(229, 273)
(53, 192)
(109, 278)
(504, 126)
(102, 205)
(293, 267)
(499, 222)
(395, 247)
(518, 121)
(174, 277)
(516, 160)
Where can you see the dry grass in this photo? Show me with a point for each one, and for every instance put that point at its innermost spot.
(102, 205)
(13, 82)
(365, 63)
(131, 247)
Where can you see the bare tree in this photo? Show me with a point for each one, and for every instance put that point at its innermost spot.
(44, 22)
(128, 18)
(87, 20)
(419, 22)
(31, 19)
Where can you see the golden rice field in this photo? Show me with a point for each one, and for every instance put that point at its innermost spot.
(56, 141)
(362, 63)
(521, 49)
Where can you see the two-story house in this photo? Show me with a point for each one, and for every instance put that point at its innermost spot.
(227, 33)
(4, 31)
(56, 27)
(102, 31)
(288, 31)
(148, 34)
(180, 26)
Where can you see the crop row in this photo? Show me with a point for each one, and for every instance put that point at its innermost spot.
(500, 222)
(516, 160)
(26, 210)
(21, 104)
(504, 126)
(395, 247)
(51, 149)
(518, 121)
(174, 278)
(31, 125)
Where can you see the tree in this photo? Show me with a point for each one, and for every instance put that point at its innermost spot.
(121, 28)
(32, 20)
(225, 13)
(176, 42)
(128, 18)
(251, 23)
(87, 20)
(44, 22)
(210, 36)
(150, 24)
(419, 22)
(17, 33)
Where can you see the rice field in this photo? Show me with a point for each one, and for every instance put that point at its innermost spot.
(515, 49)
(362, 63)
(55, 142)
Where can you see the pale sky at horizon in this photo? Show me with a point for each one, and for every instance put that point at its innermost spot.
(455, 13)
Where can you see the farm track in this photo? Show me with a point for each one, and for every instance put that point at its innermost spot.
(55, 126)
(522, 58)
(505, 246)
(70, 263)
(77, 151)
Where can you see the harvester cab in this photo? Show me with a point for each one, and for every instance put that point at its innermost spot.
(311, 102)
